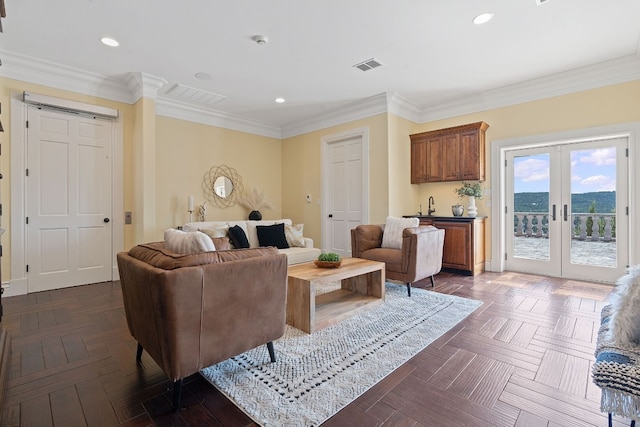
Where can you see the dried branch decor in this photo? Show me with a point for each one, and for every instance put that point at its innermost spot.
(254, 200)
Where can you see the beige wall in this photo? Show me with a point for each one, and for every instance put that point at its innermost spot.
(404, 198)
(289, 169)
(301, 173)
(185, 151)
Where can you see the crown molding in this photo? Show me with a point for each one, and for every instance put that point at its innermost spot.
(144, 85)
(25, 68)
(131, 87)
(128, 89)
(402, 107)
(195, 113)
(352, 111)
(367, 107)
(612, 72)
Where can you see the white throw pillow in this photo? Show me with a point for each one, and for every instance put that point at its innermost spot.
(624, 323)
(392, 236)
(294, 236)
(182, 242)
(216, 232)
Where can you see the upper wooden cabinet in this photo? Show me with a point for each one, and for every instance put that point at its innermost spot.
(451, 154)
(418, 160)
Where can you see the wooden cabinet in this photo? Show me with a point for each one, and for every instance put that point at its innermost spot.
(451, 154)
(419, 161)
(463, 243)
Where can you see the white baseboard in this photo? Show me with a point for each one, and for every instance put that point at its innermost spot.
(15, 287)
(488, 267)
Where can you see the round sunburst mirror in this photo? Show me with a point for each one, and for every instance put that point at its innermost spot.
(221, 185)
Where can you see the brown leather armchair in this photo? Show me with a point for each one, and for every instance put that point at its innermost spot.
(419, 257)
(192, 311)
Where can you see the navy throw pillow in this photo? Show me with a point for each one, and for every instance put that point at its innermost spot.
(238, 237)
(272, 235)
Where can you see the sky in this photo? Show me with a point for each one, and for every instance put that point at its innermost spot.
(591, 170)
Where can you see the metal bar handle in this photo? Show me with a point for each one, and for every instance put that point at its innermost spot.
(565, 212)
(553, 213)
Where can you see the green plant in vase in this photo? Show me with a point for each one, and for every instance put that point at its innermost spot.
(472, 190)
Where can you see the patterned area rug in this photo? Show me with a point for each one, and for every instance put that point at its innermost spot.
(317, 375)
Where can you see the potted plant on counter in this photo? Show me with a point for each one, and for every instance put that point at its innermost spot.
(472, 190)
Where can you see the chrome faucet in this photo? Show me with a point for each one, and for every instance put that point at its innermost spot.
(431, 202)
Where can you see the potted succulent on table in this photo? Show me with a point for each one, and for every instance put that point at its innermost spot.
(472, 190)
(328, 260)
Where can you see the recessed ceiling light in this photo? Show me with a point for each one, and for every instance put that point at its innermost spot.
(109, 41)
(280, 100)
(483, 18)
(203, 76)
(260, 39)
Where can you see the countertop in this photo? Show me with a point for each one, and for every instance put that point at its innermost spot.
(450, 218)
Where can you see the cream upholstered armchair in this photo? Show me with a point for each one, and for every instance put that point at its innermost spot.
(416, 256)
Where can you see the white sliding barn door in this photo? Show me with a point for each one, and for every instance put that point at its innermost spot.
(68, 200)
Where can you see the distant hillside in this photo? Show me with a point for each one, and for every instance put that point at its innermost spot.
(539, 202)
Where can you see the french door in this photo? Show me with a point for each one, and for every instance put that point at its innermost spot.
(567, 210)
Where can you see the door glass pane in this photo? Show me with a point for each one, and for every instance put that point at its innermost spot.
(593, 207)
(531, 206)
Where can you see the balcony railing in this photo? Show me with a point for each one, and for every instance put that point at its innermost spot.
(590, 227)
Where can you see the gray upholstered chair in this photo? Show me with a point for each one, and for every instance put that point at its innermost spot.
(420, 256)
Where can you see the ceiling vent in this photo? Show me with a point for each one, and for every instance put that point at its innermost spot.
(369, 64)
(193, 95)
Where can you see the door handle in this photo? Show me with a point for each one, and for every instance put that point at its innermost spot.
(565, 212)
(106, 220)
(330, 215)
(553, 213)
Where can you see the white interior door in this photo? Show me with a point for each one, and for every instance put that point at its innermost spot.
(567, 210)
(344, 180)
(68, 200)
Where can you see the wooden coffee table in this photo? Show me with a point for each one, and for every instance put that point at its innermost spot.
(362, 287)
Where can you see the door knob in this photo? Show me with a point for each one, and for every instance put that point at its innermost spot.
(106, 220)
(330, 215)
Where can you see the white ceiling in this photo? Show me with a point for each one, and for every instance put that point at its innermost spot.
(433, 56)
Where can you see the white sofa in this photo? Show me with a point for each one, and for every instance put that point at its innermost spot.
(295, 255)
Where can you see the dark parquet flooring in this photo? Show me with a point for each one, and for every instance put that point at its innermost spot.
(522, 359)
